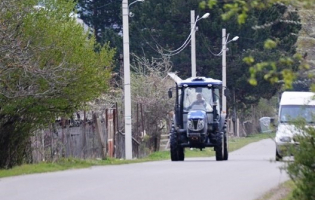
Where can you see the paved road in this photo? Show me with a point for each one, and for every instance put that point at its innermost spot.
(247, 175)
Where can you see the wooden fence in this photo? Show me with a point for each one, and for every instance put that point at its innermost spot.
(93, 135)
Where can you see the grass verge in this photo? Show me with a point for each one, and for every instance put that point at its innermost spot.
(282, 192)
(73, 163)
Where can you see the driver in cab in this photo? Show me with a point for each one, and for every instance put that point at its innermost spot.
(199, 101)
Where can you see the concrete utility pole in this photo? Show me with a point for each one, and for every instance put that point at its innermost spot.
(193, 44)
(224, 111)
(127, 93)
(224, 49)
(193, 23)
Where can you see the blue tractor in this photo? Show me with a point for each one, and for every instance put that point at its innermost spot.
(198, 121)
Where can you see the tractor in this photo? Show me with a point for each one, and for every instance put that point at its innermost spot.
(197, 125)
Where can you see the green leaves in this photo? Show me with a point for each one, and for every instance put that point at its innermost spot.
(272, 73)
(288, 63)
(212, 3)
(249, 60)
(270, 44)
(301, 169)
(49, 69)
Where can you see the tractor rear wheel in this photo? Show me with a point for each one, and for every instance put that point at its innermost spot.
(226, 151)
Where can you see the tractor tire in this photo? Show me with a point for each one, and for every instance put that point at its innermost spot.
(226, 151)
(278, 156)
(226, 142)
(219, 150)
(181, 153)
(174, 146)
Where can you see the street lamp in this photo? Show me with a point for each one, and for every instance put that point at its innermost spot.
(130, 13)
(190, 38)
(224, 43)
(127, 93)
(193, 39)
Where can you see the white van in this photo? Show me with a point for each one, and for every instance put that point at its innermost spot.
(293, 106)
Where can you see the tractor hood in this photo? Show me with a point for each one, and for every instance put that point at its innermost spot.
(197, 121)
(197, 114)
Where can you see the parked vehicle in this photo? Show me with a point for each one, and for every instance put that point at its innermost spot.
(198, 121)
(293, 106)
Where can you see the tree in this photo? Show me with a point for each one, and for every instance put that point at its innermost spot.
(162, 25)
(301, 170)
(49, 68)
(149, 84)
(158, 26)
(241, 9)
(102, 16)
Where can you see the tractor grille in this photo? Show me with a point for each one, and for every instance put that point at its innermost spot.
(195, 124)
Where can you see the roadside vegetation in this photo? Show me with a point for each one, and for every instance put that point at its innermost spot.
(71, 163)
(302, 169)
(282, 192)
(49, 68)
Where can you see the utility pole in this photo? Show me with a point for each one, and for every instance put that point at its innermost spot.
(193, 43)
(127, 93)
(224, 111)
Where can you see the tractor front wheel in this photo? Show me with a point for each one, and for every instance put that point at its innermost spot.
(177, 152)
(219, 150)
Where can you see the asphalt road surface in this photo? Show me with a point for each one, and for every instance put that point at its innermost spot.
(248, 174)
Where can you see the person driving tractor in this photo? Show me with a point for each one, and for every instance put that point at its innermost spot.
(199, 101)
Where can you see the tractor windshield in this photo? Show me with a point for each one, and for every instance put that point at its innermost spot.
(200, 98)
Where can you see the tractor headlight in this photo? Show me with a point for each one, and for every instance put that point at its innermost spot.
(195, 124)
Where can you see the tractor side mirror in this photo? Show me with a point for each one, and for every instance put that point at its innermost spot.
(170, 94)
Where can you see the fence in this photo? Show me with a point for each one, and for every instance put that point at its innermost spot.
(95, 135)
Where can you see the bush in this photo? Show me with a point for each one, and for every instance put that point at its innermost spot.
(302, 169)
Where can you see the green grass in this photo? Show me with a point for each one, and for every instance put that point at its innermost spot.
(282, 192)
(289, 186)
(73, 163)
(234, 144)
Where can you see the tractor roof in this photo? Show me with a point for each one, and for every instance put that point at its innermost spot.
(195, 80)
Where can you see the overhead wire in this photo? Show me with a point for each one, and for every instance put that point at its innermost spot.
(220, 53)
(179, 49)
(187, 41)
(172, 52)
